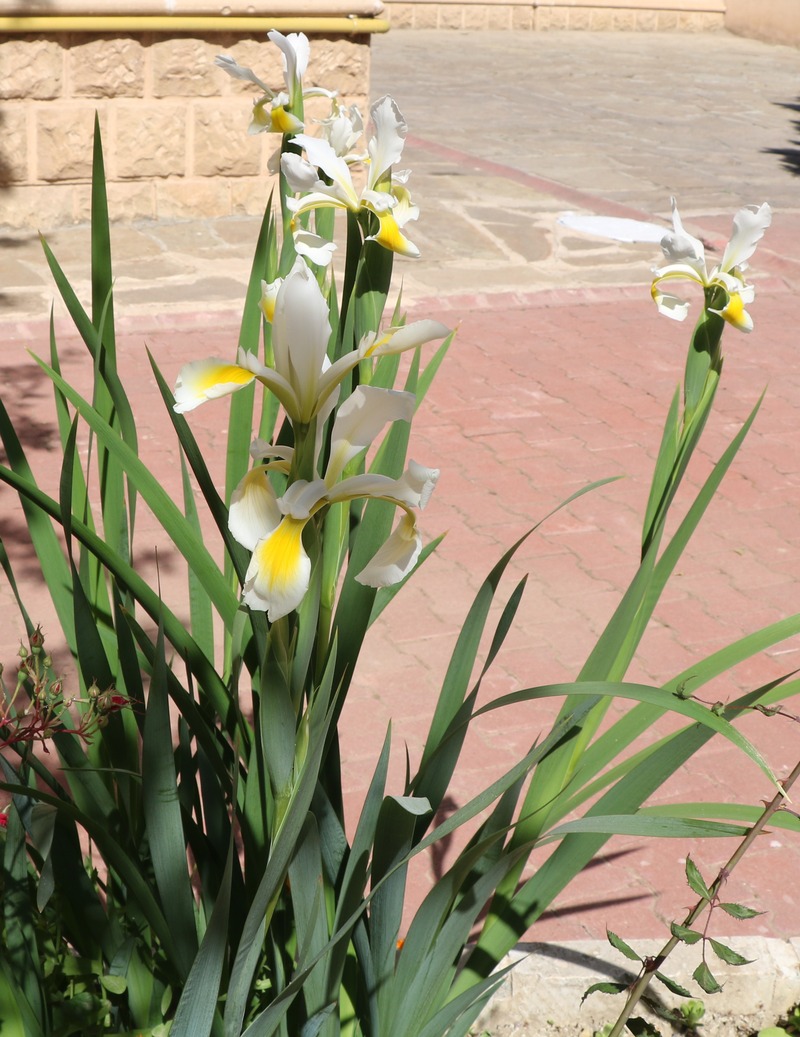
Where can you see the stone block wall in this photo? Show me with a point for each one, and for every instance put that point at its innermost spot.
(548, 15)
(174, 125)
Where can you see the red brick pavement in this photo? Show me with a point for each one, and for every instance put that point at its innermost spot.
(540, 395)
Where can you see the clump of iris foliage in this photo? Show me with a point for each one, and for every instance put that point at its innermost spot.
(181, 863)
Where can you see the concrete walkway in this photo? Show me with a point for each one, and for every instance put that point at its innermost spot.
(561, 374)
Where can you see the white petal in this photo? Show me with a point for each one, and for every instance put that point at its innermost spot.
(300, 333)
(302, 498)
(749, 225)
(396, 558)
(416, 484)
(269, 296)
(261, 448)
(359, 420)
(300, 175)
(322, 155)
(237, 71)
(386, 145)
(279, 572)
(203, 380)
(681, 248)
(295, 49)
(254, 510)
(613, 228)
(670, 305)
(399, 339)
(314, 247)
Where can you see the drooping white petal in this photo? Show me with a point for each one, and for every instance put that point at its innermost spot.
(396, 558)
(237, 71)
(681, 248)
(416, 484)
(203, 380)
(314, 247)
(386, 145)
(359, 420)
(399, 339)
(254, 510)
(279, 572)
(669, 305)
(261, 448)
(749, 225)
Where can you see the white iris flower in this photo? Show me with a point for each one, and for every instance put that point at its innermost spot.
(302, 378)
(279, 572)
(272, 112)
(686, 261)
(384, 194)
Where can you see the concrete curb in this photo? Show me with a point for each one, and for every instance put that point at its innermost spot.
(542, 996)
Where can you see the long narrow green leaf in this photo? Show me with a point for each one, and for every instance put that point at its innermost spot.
(162, 813)
(197, 1009)
(201, 667)
(265, 898)
(159, 501)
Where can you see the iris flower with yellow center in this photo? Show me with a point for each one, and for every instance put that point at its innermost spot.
(727, 294)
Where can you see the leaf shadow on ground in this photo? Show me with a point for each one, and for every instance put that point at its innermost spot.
(790, 154)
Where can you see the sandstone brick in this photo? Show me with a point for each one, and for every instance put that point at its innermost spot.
(667, 21)
(64, 135)
(426, 16)
(150, 140)
(646, 21)
(32, 68)
(14, 145)
(602, 19)
(249, 195)
(699, 21)
(580, 19)
(551, 18)
(340, 63)
(401, 15)
(220, 148)
(106, 68)
(522, 18)
(129, 200)
(475, 17)
(498, 17)
(36, 206)
(623, 21)
(184, 68)
(185, 199)
(451, 16)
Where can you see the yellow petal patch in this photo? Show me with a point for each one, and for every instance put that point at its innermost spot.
(225, 374)
(282, 121)
(391, 237)
(279, 571)
(735, 313)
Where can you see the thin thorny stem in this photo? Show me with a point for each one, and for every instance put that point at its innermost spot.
(643, 982)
